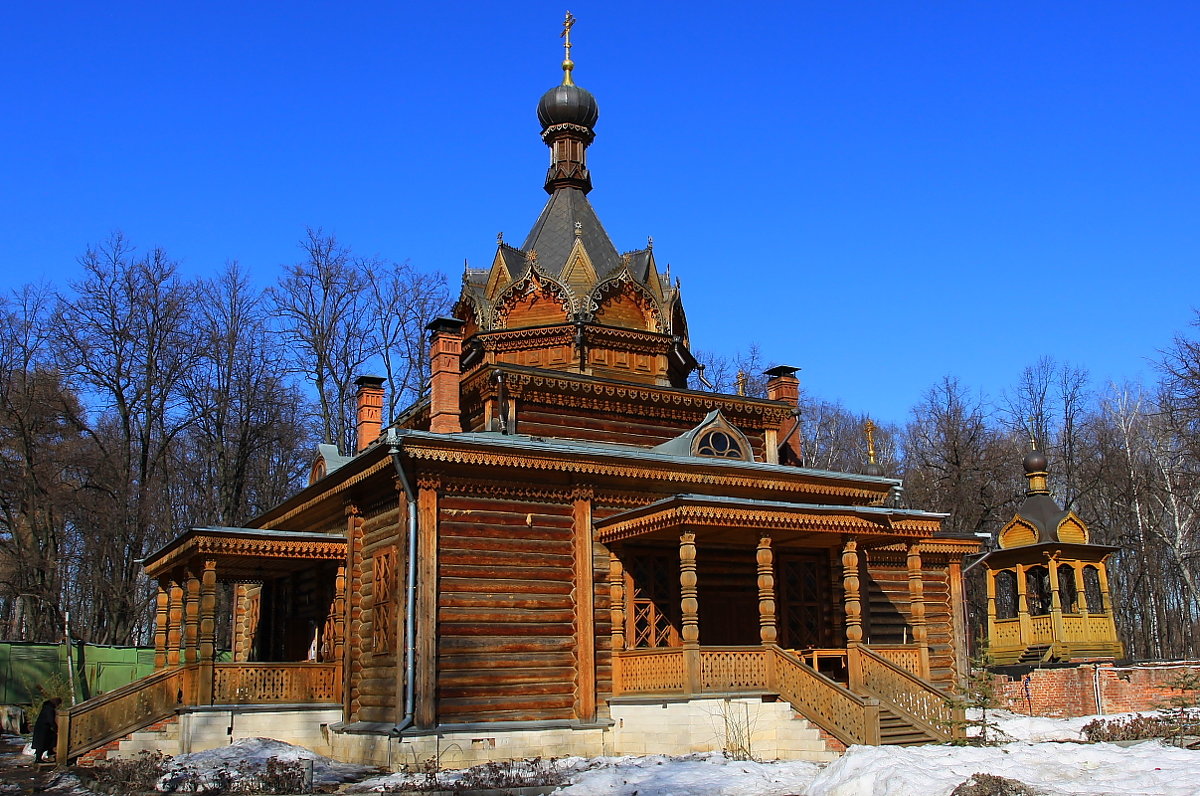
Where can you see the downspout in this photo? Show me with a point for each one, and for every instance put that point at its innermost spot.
(410, 587)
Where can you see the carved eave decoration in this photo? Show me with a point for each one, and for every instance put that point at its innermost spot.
(587, 392)
(497, 452)
(529, 290)
(246, 553)
(1043, 552)
(717, 521)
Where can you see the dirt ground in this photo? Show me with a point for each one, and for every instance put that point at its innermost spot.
(18, 774)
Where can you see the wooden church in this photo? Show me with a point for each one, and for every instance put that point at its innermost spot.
(561, 548)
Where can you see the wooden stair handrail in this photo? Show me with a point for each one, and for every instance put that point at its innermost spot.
(105, 718)
(847, 716)
(917, 701)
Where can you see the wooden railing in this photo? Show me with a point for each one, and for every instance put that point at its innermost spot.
(1007, 633)
(850, 718)
(916, 700)
(141, 703)
(109, 716)
(252, 683)
(651, 671)
(906, 656)
(733, 668)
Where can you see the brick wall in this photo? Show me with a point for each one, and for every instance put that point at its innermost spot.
(1072, 691)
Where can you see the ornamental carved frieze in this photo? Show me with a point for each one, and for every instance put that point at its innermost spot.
(199, 546)
(691, 476)
(530, 288)
(506, 490)
(760, 520)
(624, 284)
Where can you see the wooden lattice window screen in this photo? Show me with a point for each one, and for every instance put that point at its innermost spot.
(653, 581)
(804, 593)
(383, 621)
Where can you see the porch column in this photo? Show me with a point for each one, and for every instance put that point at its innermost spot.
(1106, 600)
(352, 616)
(850, 592)
(427, 600)
(1081, 591)
(767, 629)
(916, 604)
(585, 616)
(990, 579)
(616, 614)
(191, 617)
(174, 621)
(161, 617)
(1026, 624)
(338, 648)
(1056, 612)
(241, 642)
(690, 608)
(208, 630)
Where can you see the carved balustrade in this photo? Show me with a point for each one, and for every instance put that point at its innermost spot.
(915, 699)
(252, 683)
(906, 656)
(733, 669)
(651, 671)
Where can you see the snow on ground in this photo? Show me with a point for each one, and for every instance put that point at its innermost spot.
(251, 755)
(1045, 755)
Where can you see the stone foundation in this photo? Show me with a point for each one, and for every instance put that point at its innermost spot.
(209, 728)
(767, 730)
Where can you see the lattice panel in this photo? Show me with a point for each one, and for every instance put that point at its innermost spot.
(653, 582)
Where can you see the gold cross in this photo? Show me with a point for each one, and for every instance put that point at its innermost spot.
(568, 23)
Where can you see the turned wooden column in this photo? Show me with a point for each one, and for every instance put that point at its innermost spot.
(191, 617)
(850, 593)
(1106, 600)
(1056, 611)
(690, 610)
(338, 648)
(916, 605)
(768, 632)
(208, 631)
(1081, 592)
(990, 580)
(584, 604)
(616, 614)
(162, 616)
(1026, 624)
(352, 652)
(174, 622)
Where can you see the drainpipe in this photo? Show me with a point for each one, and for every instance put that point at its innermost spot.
(410, 587)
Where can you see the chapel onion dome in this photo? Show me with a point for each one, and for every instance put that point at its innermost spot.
(1034, 462)
(873, 469)
(567, 103)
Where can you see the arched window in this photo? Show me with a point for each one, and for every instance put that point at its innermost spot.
(720, 444)
(1037, 590)
(1091, 589)
(1006, 594)
(1068, 591)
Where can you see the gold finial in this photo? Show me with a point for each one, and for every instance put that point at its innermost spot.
(532, 256)
(568, 64)
(741, 382)
(579, 229)
(869, 430)
(1032, 440)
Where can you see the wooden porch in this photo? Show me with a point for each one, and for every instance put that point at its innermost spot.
(849, 689)
(305, 668)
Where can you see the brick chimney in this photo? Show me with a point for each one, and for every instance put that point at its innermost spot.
(370, 410)
(445, 350)
(782, 385)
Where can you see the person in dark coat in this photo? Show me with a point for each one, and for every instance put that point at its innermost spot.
(45, 729)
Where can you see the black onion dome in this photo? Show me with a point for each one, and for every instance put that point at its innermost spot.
(1034, 462)
(873, 469)
(568, 104)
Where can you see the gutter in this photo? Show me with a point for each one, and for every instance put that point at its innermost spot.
(410, 586)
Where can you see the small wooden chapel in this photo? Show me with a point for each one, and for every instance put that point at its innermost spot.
(562, 548)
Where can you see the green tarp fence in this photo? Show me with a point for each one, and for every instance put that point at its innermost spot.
(25, 666)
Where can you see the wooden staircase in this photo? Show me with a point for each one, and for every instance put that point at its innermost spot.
(895, 730)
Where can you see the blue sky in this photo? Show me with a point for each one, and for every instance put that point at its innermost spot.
(881, 193)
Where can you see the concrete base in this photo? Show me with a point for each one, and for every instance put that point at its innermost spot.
(209, 728)
(766, 730)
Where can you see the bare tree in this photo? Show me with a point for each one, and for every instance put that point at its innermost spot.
(327, 328)
(125, 341)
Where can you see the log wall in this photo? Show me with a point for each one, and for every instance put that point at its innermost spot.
(888, 611)
(376, 670)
